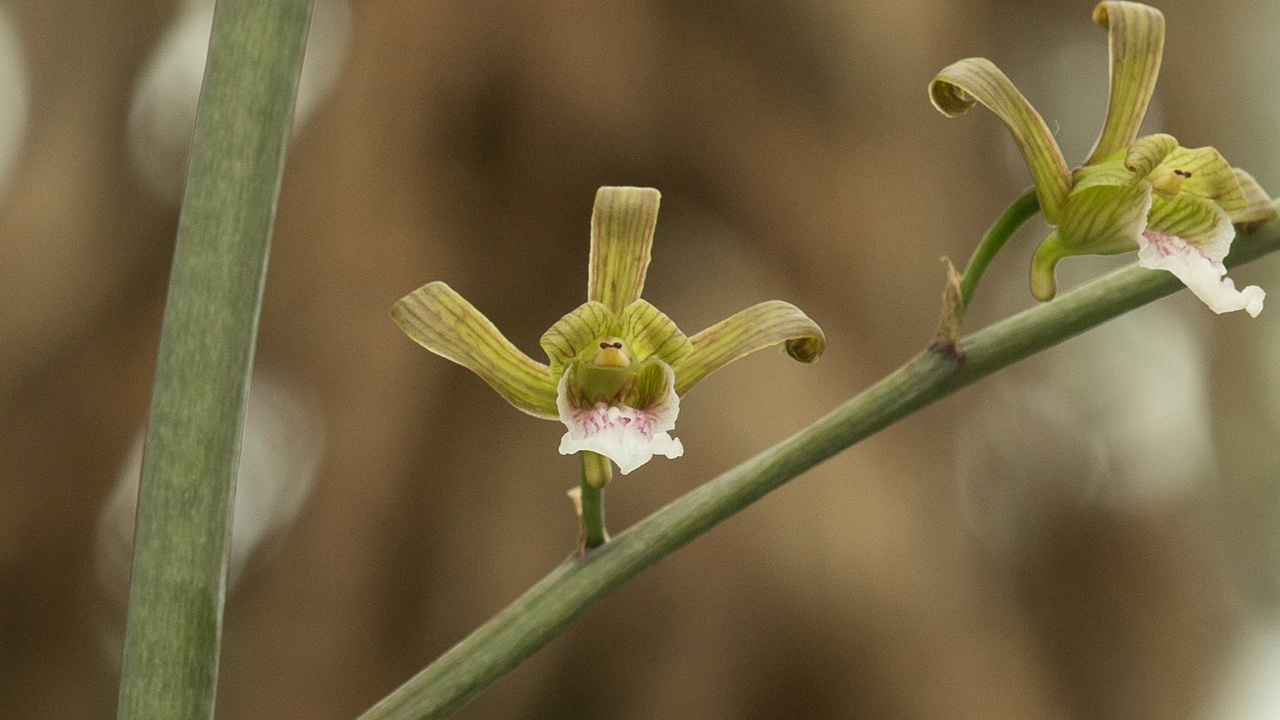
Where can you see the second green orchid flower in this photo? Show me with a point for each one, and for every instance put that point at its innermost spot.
(618, 366)
(1176, 206)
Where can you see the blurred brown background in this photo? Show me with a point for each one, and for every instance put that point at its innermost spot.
(1093, 534)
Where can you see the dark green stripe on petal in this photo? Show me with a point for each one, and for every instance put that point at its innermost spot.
(1104, 219)
(1259, 210)
(962, 84)
(1136, 39)
(651, 333)
(1147, 152)
(755, 328)
(443, 322)
(1207, 175)
(574, 332)
(621, 237)
(1195, 220)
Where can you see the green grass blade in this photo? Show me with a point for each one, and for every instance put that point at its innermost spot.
(170, 663)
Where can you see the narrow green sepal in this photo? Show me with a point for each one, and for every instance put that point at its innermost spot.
(622, 226)
(439, 319)
(1136, 40)
(756, 328)
(964, 83)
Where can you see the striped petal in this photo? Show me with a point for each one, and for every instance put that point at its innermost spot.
(1197, 221)
(1190, 237)
(1136, 40)
(1105, 214)
(1207, 175)
(755, 328)
(574, 333)
(650, 333)
(1259, 209)
(621, 237)
(977, 80)
(443, 322)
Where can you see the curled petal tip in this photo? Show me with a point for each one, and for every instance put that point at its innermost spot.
(806, 349)
(961, 84)
(758, 327)
(949, 98)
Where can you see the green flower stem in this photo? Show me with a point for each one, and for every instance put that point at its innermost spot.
(173, 634)
(596, 473)
(1004, 227)
(579, 583)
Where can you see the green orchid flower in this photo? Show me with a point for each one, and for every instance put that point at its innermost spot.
(618, 366)
(1176, 207)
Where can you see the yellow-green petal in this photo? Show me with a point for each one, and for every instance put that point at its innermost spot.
(574, 333)
(1136, 40)
(1208, 176)
(650, 386)
(1259, 209)
(650, 333)
(1104, 219)
(1197, 221)
(962, 84)
(621, 237)
(1104, 215)
(1110, 172)
(755, 328)
(1147, 152)
(443, 322)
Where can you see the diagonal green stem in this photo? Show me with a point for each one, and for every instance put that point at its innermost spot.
(576, 585)
(1001, 230)
(170, 662)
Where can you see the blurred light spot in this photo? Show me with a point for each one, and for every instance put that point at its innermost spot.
(1118, 415)
(279, 459)
(1251, 688)
(162, 113)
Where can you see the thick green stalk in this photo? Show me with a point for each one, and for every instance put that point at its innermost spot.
(170, 662)
(576, 585)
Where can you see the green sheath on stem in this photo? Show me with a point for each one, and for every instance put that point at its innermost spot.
(170, 662)
(578, 584)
